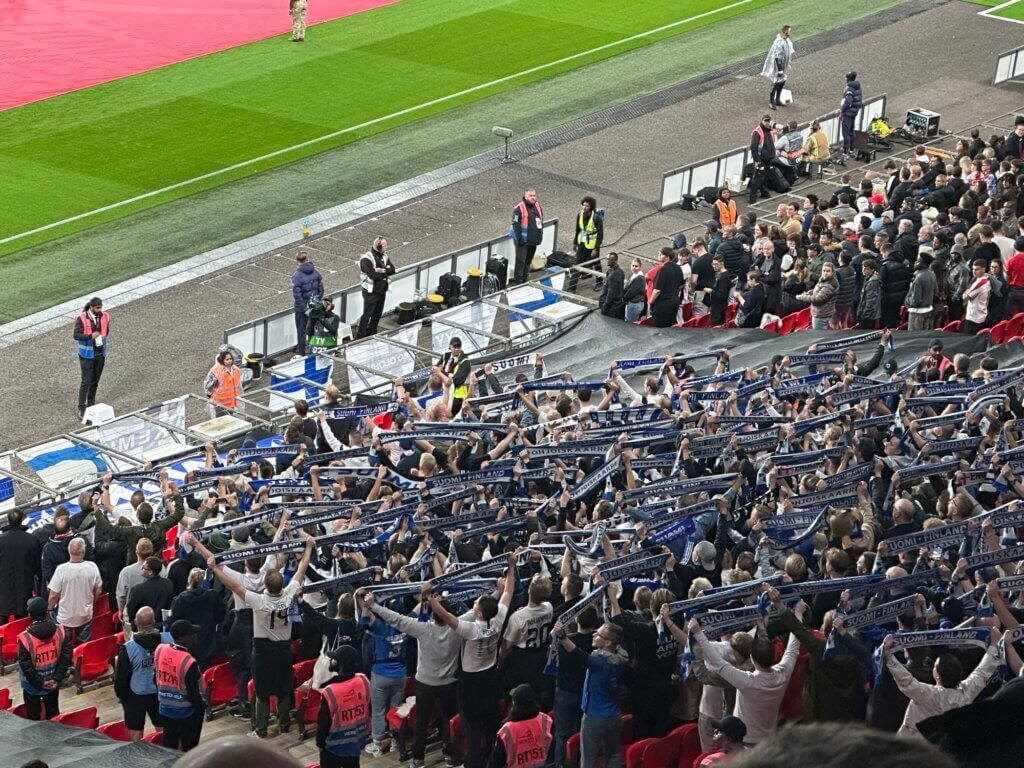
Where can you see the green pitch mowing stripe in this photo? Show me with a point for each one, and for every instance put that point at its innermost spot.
(178, 128)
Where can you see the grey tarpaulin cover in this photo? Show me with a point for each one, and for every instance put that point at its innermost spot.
(62, 746)
(587, 349)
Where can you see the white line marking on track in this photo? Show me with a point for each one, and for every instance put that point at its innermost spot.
(368, 123)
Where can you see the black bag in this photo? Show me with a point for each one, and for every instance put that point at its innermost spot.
(561, 259)
(498, 266)
(777, 180)
(449, 285)
(709, 194)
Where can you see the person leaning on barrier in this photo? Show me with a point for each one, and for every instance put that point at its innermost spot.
(376, 268)
(91, 328)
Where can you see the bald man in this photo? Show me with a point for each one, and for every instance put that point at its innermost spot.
(74, 588)
(135, 675)
(236, 752)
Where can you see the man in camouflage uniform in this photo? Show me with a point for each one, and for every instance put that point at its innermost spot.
(298, 10)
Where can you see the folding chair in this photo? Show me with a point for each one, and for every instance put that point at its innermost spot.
(92, 662)
(219, 689)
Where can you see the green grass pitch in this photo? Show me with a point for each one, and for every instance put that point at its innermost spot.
(73, 154)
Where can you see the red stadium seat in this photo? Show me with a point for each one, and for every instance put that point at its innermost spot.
(730, 312)
(687, 310)
(645, 321)
(663, 753)
(689, 746)
(19, 711)
(80, 718)
(635, 753)
(302, 672)
(101, 605)
(458, 738)
(116, 730)
(701, 321)
(5, 698)
(168, 554)
(1015, 325)
(999, 331)
(696, 761)
(219, 689)
(956, 326)
(788, 323)
(156, 737)
(307, 707)
(172, 536)
(102, 626)
(9, 641)
(803, 319)
(252, 697)
(572, 751)
(92, 662)
(774, 326)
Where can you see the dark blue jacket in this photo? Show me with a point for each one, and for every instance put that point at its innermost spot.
(306, 282)
(852, 99)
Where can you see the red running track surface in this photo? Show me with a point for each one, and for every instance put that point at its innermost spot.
(49, 47)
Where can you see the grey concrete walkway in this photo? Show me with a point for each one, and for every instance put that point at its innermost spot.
(162, 346)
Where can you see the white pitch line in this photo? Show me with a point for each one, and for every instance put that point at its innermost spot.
(990, 12)
(368, 123)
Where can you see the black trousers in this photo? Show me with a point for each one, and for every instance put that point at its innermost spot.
(478, 702)
(300, 331)
(427, 697)
(776, 92)
(848, 132)
(373, 308)
(524, 255)
(239, 651)
(92, 369)
(972, 327)
(183, 734)
(34, 705)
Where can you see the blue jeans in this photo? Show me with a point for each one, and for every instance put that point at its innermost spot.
(385, 693)
(567, 716)
(600, 736)
(633, 310)
(820, 323)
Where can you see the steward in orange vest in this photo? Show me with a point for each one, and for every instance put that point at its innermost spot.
(44, 657)
(344, 720)
(524, 741)
(223, 383)
(177, 688)
(724, 209)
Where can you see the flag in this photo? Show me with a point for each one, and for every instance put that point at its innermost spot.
(285, 390)
(62, 462)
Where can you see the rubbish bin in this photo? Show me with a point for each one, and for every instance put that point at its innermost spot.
(254, 362)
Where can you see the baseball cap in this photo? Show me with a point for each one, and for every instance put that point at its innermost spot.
(732, 727)
(936, 344)
(705, 552)
(182, 629)
(37, 607)
(711, 224)
(1018, 244)
(891, 366)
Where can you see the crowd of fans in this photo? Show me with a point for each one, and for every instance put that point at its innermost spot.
(941, 234)
(794, 542)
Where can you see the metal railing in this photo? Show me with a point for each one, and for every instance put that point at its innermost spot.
(716, 171)
(1009, 65)
(275, 334)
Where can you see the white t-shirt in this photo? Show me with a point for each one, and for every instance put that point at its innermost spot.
(77, 585)
(270, 615)
(529, 626)
(480, 640)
